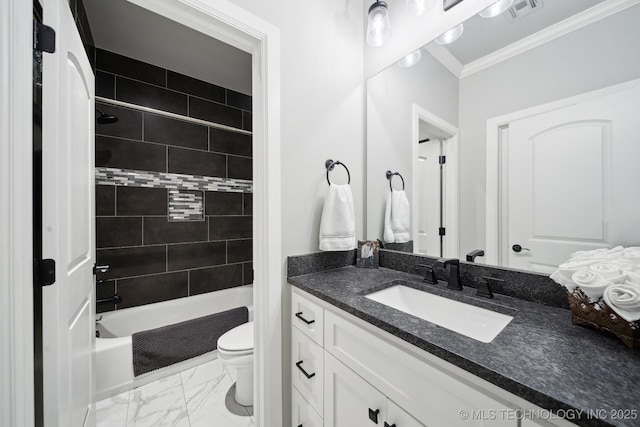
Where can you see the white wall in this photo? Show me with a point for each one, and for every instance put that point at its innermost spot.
(597, 56)
(390, 98)
(322, 117)
(322, 107)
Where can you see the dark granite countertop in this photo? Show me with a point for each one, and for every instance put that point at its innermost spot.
(540, 356)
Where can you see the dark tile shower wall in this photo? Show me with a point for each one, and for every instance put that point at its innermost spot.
(129, 80)
(151, 257)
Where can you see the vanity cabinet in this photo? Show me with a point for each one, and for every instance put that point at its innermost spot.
(355, 373)
(351, 401)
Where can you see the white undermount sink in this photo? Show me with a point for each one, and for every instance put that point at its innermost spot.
(474, 322)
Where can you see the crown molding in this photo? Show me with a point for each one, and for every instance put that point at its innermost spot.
(445, 57)
(580, 20)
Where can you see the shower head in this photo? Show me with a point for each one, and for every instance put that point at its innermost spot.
(105, 119)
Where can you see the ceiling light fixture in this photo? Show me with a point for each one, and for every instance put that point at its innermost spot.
(451, 35)
(379, 26)
(419, 7)
(496, 9)
(411, 59)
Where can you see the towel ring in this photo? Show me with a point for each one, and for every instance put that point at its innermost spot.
(330, 164)
(390, 177)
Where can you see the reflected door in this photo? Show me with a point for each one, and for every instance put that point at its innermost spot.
(571, 178)
(68, 225)
(427, 240)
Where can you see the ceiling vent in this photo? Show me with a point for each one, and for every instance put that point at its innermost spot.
(522, 8)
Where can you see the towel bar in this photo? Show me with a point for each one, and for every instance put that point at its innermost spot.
(390, 177)
(330, 164)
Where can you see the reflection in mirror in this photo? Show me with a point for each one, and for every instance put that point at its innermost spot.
(535, 111)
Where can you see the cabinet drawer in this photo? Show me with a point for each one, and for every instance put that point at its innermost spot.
(427, 391)
(307, 316)
(303, 414)
(307, 368)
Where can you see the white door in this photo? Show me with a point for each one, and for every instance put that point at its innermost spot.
(349, 400)
(427, 190)
(572, 175)
(68, 228)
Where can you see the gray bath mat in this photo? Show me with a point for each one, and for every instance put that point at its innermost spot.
(160, 347)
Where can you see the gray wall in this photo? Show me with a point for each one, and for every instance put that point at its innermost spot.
(390, 98)
(602, 54)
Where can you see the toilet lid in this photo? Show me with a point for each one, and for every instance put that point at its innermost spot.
(239, 338)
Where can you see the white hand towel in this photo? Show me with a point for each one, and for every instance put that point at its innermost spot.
(624, 300)
(338, 224)
(592, 284)
(397, 218)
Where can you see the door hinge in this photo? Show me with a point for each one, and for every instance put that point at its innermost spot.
(442, 231)
(45, 272)
(442, 159)
(44, 37)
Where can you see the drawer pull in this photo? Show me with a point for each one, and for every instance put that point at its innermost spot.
(299, 316)
(373, 415)
(385, 425)
(306, 374)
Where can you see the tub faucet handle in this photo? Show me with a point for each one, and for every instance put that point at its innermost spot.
(100, 268)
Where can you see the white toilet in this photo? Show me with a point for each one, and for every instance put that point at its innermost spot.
(235, 349)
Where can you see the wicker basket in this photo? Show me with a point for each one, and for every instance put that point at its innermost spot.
(599, 315)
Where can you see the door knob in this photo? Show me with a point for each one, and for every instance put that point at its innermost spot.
(518, 248)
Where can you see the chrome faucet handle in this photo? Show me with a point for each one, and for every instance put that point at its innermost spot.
(429, 274)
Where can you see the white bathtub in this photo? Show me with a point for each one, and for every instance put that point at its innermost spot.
(114, 354)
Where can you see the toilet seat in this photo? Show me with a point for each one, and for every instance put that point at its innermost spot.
(238, 340)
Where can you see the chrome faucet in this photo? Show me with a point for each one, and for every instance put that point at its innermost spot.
(454, 282)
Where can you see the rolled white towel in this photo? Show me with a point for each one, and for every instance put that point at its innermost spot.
(563, 274)
(592, 284)
(632, 255)
(633, 277)
(608, 271)
(594, 253)
(624, 300)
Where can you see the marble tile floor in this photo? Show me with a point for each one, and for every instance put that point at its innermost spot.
(198, 397)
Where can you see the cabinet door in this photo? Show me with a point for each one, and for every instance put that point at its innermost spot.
(350, 401)
(306, 368)
(303, 414)
(397, 417)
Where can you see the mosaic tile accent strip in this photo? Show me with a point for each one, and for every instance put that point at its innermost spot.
(172, 181)
(186, 205)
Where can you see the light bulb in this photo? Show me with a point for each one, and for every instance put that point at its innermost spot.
(379, 26)
(451, 35)
(419, 7)
(496, 9)
(410, 59)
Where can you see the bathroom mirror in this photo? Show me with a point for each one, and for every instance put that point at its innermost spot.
(535, 113)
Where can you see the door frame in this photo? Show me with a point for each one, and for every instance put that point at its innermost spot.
(496, 189)
(224, 21)
(16, 245)
(451, 192)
